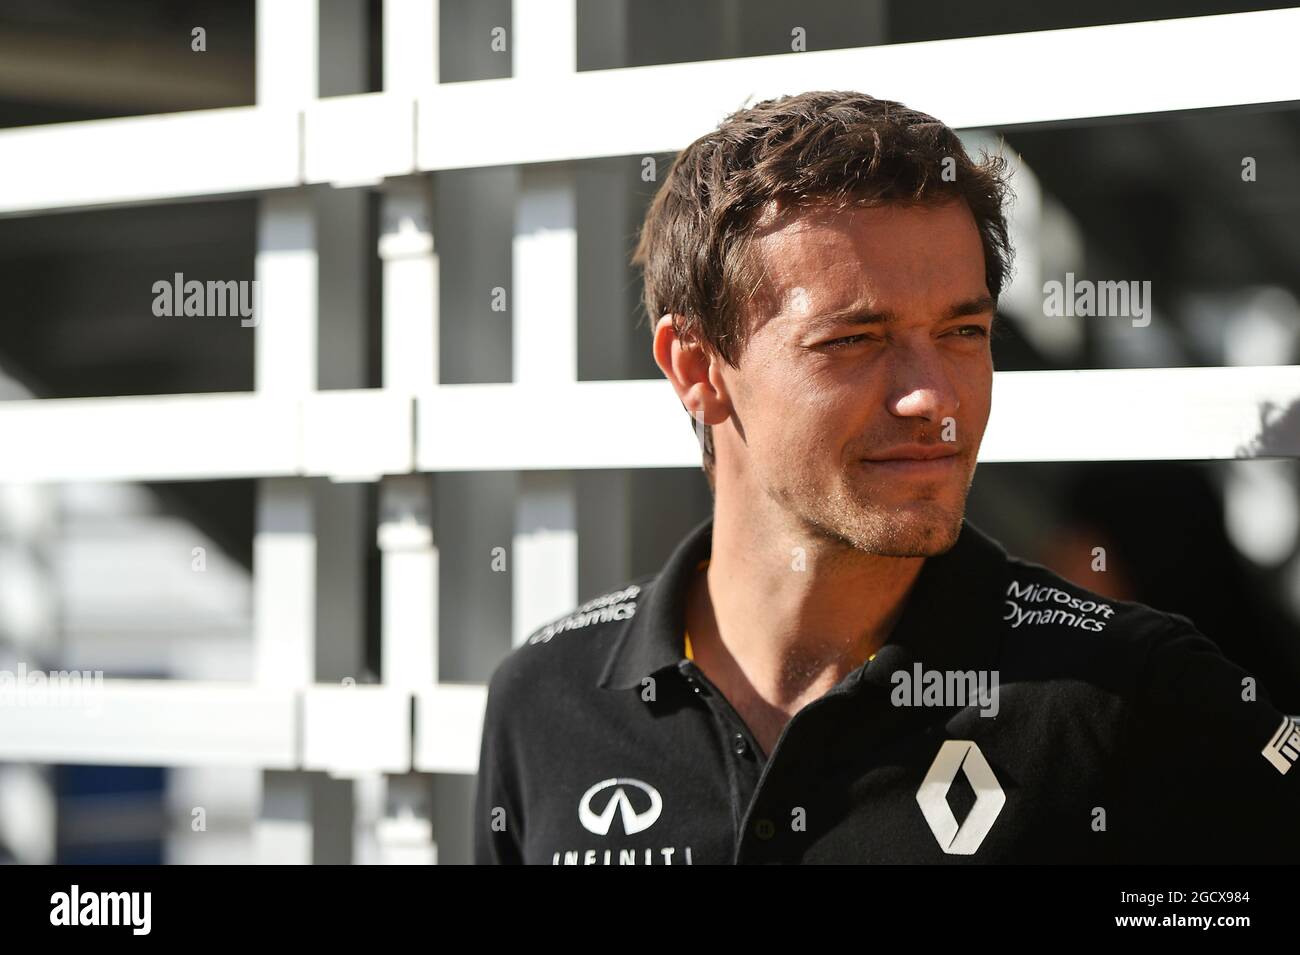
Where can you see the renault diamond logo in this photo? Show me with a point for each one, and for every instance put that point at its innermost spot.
(960, 755)
(633, 821)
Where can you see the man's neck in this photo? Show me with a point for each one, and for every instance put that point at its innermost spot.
(784, 614)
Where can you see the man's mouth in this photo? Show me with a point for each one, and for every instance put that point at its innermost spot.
(915, 460)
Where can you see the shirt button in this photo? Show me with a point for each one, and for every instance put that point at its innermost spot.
(764, 829)
(738, 744)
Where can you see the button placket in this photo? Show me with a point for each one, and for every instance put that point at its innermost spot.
(745, 768)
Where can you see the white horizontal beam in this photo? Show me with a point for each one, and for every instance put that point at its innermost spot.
(1094, 415)
(148, 158)
(163, 437)
(356, 140)
(347, 435)
(1202, 62)
(357, 434)
(594, 424)
(354, 730)
(1144, 414)
(343, 730)
(152, 723)
(449, 727)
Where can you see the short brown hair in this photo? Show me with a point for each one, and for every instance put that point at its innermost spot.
(834, 148)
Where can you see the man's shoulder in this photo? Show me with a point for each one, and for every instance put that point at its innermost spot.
(1182, 738)
(1038, 600)
(575, 646)
(1158, 660)
(1050, 621)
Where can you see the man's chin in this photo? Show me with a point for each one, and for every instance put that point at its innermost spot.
(923, 538)
(915, 530)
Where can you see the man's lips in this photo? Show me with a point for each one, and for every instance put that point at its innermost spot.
(915, 460)
(914, 452)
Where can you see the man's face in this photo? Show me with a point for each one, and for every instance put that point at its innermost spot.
(861, 397)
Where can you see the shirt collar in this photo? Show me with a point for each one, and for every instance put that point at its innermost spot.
(654, 638)
(949, 621)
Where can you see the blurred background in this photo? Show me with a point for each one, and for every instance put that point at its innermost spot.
(294, 549)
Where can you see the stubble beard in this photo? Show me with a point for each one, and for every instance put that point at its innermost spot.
(854, 516)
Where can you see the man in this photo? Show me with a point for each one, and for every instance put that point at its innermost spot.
(836, 666)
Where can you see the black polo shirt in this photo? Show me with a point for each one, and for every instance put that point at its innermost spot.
(1114, 732)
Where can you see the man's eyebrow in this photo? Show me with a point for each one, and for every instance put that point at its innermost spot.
(859, 316)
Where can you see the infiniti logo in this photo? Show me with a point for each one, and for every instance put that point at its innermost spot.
(633, 821)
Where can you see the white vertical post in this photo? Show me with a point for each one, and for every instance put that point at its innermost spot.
(410, 364)
(409, 607)
(284, 544)
(284, 584)
(308, 548)
(546, 278)
(29, 634)
(410, 276)
(409, 554)
(544, 40)
(545, 313)
(410, 45)
(284, 354)
(404, 831)
(287, 42)
(284, 541)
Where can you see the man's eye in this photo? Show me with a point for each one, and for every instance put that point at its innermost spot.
(844, 342)
(972, 331)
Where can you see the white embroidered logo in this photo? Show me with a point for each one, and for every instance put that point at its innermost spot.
(1283, 748)
(960, 755)
(633, 820)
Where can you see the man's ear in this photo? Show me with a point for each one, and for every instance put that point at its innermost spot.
(694, 370)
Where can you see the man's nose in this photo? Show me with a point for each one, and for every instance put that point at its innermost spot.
(921, 386)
